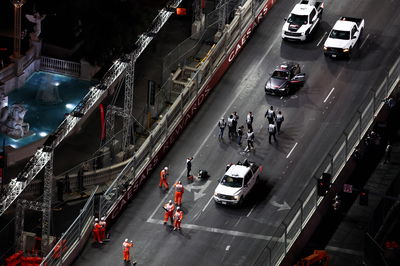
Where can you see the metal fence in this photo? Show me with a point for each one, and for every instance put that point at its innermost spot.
(334, 161)
(79, 229)
(60, 66)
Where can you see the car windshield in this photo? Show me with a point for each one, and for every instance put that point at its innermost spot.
(280, 74)
(297, 19)
(339, 34)
(231, 181)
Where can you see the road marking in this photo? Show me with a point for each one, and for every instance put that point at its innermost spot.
(281, 207)
(362, 44)
(219, 231)
(291, 150)
(329, 95)
(345, 250)
(250, 211)
(322, 38)
(228, 247)
(202, 188)
(208, 202)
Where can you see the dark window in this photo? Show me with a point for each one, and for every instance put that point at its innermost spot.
(312, 15)
(247, 177)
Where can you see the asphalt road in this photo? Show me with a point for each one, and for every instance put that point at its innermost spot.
(315, 116)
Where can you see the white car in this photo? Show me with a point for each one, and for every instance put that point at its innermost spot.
(343, 37)
(303, 20)
(236, 183)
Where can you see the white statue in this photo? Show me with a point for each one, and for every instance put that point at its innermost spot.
(37, 19)
(12, 121)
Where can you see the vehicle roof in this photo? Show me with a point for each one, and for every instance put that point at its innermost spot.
(286, 66)
(344, 25)
(238, 171)
(302, 9)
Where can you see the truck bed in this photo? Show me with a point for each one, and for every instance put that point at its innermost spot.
(356, 20)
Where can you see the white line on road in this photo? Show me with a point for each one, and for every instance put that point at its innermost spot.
(208, 202)
(329, 95)
(322, 38)
(228, 247)
(250, 211)
(291, 150)
(218, 230)
(362, 44)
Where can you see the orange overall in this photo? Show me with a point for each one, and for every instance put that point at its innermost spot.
(178, 216)
(102, 231)
(125, 249)
(169, 212)
(178, 193)
(163, 178)
(96, 232)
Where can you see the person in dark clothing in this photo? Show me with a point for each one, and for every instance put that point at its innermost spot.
(235, 122)
(279, 119)
(270, 115)
(240, 132)
(272, 132)
(231, 133)
(189, 166)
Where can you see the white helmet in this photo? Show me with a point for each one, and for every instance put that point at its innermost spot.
(103, 218)
(170, 201)
(96, 220)
(178, 208)
(126, 239)
(166, 168)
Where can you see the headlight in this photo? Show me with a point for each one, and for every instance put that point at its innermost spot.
(237, 197)
(325, 48)
(345, 50)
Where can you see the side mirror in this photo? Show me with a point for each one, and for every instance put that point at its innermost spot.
(285, 19)
(354, 36)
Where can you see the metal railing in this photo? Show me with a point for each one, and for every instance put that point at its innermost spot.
(302, 210)
(78, 230)
(60, 66)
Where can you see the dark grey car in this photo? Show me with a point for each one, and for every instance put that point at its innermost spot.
(285, 79)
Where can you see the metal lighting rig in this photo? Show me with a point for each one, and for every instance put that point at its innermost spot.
(127, 111)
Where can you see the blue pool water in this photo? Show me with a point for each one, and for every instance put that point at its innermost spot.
(44, 119)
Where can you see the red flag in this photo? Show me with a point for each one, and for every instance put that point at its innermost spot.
(102, 121)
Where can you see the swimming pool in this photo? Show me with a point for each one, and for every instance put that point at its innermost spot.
(45, 118)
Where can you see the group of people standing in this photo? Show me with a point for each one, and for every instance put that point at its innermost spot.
(235, 131)
(272, 118)
(172, 213)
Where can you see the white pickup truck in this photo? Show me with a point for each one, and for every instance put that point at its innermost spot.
(237, 182)
(303, 20)
(343, 37)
